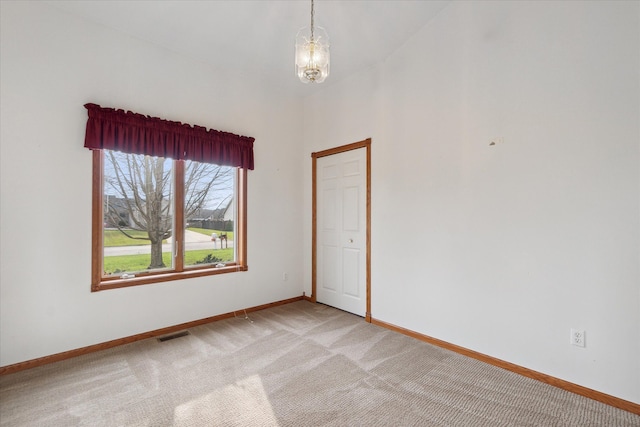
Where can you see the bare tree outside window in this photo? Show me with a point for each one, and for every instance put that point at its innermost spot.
(139, 199)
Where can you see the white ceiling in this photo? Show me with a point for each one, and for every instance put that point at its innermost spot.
(256, 37)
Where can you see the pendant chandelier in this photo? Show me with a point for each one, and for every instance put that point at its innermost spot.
(312, 53)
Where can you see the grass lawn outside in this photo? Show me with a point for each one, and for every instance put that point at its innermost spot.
(135, 263)
(208, 232)
(117, 238)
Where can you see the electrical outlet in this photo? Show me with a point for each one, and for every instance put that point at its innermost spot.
(577, 338)
(285, 276)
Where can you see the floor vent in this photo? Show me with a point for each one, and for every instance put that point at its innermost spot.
(173, 336)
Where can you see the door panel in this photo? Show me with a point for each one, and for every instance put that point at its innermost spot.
(329, 276)
(329, 209)
(350, 209)
(350, 271)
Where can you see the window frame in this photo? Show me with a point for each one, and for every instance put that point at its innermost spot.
(99, 282)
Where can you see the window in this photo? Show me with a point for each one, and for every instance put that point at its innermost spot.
(157, 218)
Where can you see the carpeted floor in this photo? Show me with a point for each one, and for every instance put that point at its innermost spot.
(300, 364)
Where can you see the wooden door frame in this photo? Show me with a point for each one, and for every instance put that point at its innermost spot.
(314, 156)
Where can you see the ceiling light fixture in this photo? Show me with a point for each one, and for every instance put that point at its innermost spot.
(312, 53)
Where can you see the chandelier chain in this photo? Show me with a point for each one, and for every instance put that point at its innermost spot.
(312, 16)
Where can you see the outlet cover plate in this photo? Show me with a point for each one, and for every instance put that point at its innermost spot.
(577, 338)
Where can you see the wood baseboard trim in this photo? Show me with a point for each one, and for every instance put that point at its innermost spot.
(21, 366)
(556, 382)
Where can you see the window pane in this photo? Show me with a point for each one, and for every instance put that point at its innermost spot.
(138, 219)
(209, 210)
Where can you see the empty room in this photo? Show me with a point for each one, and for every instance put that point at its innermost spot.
(319, 213)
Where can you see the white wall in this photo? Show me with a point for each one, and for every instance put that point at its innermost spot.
(502, 249)
(52, 64)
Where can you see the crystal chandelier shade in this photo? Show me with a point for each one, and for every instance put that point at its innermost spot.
(312, 53)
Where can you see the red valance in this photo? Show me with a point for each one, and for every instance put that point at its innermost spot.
(111, 129)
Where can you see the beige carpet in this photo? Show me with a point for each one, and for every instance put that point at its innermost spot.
(299, 364)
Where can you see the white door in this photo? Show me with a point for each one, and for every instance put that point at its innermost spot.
(341, 181)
